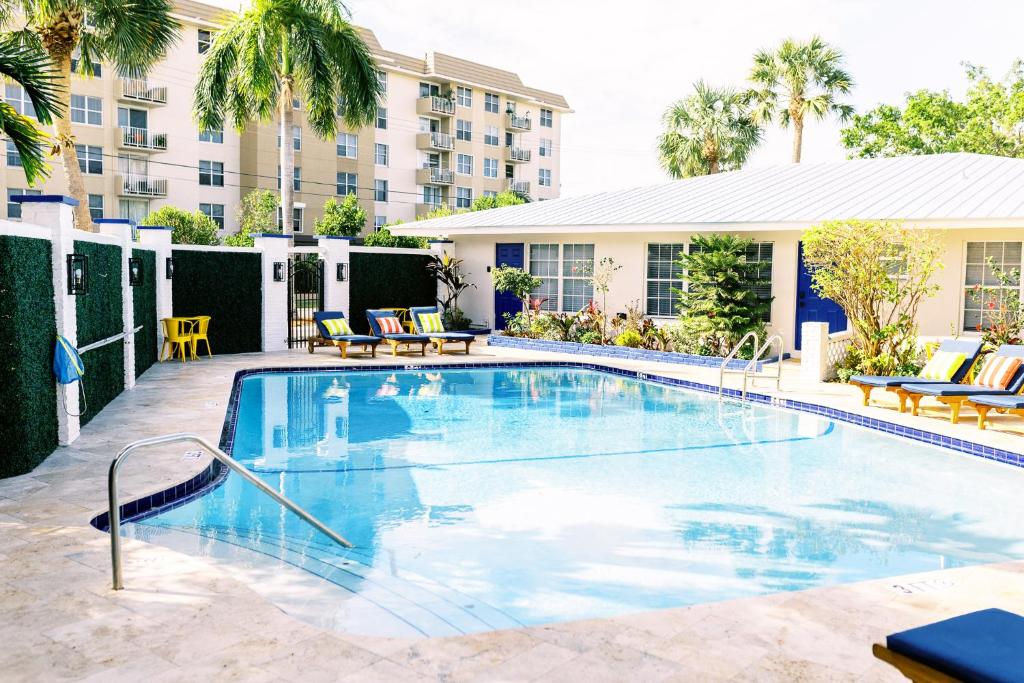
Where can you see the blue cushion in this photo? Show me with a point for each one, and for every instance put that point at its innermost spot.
(1013, 402)
(355, 338)
(895, 381)
(983, 646)
(451, 336)
(950, 389)
(405, 336)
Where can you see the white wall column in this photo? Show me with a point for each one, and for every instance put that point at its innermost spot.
(814, 352)
(274, 250)
(122, 229)
(158, 238)
(336, 251)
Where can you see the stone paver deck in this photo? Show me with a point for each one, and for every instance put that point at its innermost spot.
(183, 619)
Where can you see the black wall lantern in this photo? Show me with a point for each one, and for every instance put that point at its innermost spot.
(78, 274)
(278, 271)
(135, 271)
(340, 275)
(170, 268)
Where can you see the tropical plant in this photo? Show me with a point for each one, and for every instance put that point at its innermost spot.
(257, 213)
(516, 282)
(130, 36)
(709, 131)
(345, 219)
(448, 271)
(30, 69)
(188, 228)
(798, 79)
(879, 273)
(557, 326)
(1002, 312)
(384, 238)
(506, 198)
(630, 338)
(721, 295)
(276, 53)
(601, 281)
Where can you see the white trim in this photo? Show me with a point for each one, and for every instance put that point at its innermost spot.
(222, 248)
(389, 250)
(18, 229)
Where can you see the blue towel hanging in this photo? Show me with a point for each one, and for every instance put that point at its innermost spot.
(68, 368)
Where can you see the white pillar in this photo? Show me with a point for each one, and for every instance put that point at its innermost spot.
(814, 352)
(274, 248)
(122, 229)
(57, 213)
(158, 238)
(336, 251)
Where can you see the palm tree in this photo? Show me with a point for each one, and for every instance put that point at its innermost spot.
(31, 70)
(709, 131)
(130, 36)
(279, 50)
(798, 79)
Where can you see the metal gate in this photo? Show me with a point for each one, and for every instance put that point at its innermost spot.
(305, 296)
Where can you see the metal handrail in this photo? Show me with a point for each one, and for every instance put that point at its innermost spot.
(750, 370)
(231, 463)
(732, 355)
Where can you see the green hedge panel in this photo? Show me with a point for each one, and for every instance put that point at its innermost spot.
(28, 418)
(387, 281)
(227, 286)
(144, 307)
(101, 315)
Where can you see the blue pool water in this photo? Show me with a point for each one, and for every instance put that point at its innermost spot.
(492, 498)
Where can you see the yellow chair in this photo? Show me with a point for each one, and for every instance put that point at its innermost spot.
(177, 333)
(199, 331)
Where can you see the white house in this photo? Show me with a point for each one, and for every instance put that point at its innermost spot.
(976, 201)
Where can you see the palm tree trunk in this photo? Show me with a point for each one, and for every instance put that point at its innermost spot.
(65, 142)
(798, 136)
(287, 157)
(713, 166)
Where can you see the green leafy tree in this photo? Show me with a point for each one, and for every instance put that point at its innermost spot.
(796, 80)
(345, 219)
(384, 238)
(130, 36)
(721, 297)
(189, 228)
(990, 120)
(515, 281)
(30, 69)
(506, 198)
(257, 213)
(448, 271)
(709, 131)
(276, 52)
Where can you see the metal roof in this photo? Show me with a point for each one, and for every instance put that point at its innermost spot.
(942, 189)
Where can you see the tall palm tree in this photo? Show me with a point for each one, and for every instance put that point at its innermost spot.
(130, 36)
(280, 50)
(798, 79)
(709, 131)
(31, 70)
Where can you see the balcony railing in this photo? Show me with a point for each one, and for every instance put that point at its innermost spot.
(141, 91)
(517, 154)
(423, 209)
(434, 140)
(434, 104)
(429, 175)
(142, 138)
(518, 186)
(134, 185)
(516, 122)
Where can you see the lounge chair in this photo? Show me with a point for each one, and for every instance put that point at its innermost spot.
(969, 348)
(955, 395)
(425, 323)
(1003, 404)
(341, 340)
(980, 646)
(380, 320)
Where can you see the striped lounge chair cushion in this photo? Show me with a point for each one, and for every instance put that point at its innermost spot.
(389, 324)
(998, 372)
(942, 366)
(338, 327)
(431, 322)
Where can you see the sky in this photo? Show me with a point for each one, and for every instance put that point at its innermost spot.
(621, 64)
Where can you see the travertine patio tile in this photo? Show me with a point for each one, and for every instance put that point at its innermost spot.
(614, 663)
(320, 658)
(529, 665)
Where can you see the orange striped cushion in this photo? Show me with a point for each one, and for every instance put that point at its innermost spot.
(389, 324)
(998, 372)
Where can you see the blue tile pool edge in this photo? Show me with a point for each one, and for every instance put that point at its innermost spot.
(215, 473)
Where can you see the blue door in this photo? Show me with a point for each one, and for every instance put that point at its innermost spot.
(812, 308)
(506, 255)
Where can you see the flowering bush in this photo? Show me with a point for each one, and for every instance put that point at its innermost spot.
(1002, 315)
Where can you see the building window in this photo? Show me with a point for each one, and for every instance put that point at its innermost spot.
(296, 178)
(664, 277)
(76, 58)
(211, 173)
(544, 177)
(761, 254)
(429, 89)
(546, 118)
(216, 136)
(464, 164)
(296, 138)
(463, 197)
(980, 304)
(87, 110)
(380, 154)
(432, 195)
(490, 168)
(565, 283)
(492, 103)
(463, 130)
(296, 103)
(544, 265)
(16, 96)
(205, 40)
(379, 222)
(341, 105)
(546, 147)
(13, 155)
(382, 118)
(14, 208)
(346, 184)
(215, 212)
(490, 193)
(90, 159)
(491, 136)
(382, 78)
(96, 206)
(348, 145)
(464, 96)
(134, 210)
(380, 190)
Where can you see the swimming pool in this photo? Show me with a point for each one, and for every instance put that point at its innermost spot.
(484, 498)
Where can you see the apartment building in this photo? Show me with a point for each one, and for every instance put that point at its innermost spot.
(447, 132)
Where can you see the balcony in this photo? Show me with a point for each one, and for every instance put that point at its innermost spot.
(435, 176)
(516, 122)
(136, 90)
(433, 105)
(424, 209)
(518, 186)
(435, 141)
(143, 138)
(517, 155)
(134, 185)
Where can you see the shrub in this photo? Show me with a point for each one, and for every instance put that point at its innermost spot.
(506, 198)
(1002, 312)
(189, 228)
(517, 325)
(384, 238)
(515, 281)
(590, 337)
(630, 338)
(346, 219)
(257, 213)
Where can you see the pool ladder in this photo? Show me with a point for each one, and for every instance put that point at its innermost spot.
(232, 464)
(750, 371)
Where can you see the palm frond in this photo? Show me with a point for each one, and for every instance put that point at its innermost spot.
(356, 74)
(29, 140)
(133, 34)
(30, 67)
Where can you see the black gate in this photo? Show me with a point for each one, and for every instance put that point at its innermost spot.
(305, 296)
